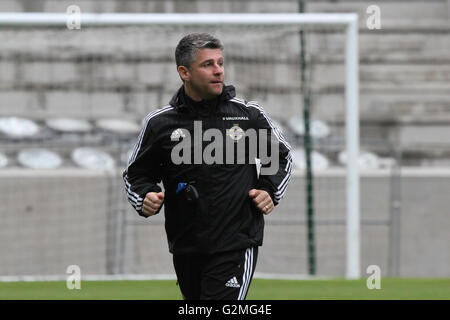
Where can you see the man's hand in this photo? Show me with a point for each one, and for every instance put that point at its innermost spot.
(262, 200)
(152, 202)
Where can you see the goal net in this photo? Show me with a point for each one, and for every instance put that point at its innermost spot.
(86, 92)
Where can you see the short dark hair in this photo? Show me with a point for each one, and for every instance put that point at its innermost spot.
(188, 46)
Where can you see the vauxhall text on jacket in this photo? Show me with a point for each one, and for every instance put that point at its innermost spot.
(207, 206)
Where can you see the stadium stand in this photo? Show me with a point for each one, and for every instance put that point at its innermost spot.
(404, 102)
(404, 71)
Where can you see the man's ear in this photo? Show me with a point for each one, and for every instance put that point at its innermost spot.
(183, 72)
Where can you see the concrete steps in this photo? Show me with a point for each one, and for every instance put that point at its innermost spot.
(404, 67)
(415, 10)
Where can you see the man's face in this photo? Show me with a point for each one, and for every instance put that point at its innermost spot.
(204, 80)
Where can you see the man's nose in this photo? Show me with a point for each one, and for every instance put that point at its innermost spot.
(218, 69)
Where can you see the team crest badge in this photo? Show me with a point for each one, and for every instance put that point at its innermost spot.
(236, 132)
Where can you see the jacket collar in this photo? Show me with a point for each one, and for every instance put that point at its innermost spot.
(181, 101)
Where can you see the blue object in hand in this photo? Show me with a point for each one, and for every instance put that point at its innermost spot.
(181, 186)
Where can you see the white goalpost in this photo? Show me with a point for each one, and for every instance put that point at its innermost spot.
(347, 22)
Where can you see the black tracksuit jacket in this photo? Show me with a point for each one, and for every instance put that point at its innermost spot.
(224, 217)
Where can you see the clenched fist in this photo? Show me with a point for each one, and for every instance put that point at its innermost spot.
(152, 202)
(262, 200)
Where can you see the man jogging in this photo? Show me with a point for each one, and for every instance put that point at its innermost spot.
(204, 146)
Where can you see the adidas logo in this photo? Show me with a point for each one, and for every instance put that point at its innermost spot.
(176, 134)
(233, 283)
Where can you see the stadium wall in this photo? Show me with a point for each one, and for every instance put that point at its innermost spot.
(78, 223)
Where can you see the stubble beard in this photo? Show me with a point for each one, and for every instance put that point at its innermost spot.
(206, 92)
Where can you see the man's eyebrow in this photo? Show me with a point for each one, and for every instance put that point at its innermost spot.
(209, 60)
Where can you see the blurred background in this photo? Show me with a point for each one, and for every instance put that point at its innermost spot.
(72, 104)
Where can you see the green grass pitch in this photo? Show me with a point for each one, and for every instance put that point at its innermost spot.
(260, 289)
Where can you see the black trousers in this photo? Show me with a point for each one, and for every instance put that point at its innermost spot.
(221, 276)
